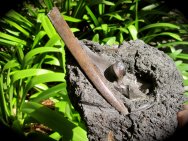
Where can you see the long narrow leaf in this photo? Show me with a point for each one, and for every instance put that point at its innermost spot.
(49, 4)
(173, 44)
(53, 40)
(36, 51)
(8, 43)
(20, 19)
(162, 25)
(50, 92)
(173, 35)
(55, 121)
(3, 104)
(44, 78)
(11, 64)
(182, 56)
(38, 37)
(48, 27)
(18, 27)
(92, 16)
(49, 59)
(12, 38)
(21, 74)
(50, 118)
(71, 19)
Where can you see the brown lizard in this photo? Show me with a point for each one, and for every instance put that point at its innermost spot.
(90, 69)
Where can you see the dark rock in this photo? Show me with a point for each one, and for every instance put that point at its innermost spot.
(152, 89)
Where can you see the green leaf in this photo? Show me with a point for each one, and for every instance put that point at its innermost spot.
(133, 31)
(50, 92)
(65, 107)
(150, 7)
(55, 136)
(95, 38)
(21, 74)
(5, 112)
(123, 29)
(108, 3)
(20, 19)
(18, 27)
(92, 16)
(157, 25)
(48, 27)
(8, 43)
(71, 19)
(175, 53)
(46, 77)
(97, 2)
(150, 37)
(53, 40)
(173, 44)
(116, 16)
(49, 4)
(11, 64)
(12, 38)
(183, 67)
(29, 56)
(55, 121)
(38, 37)
(49, 59)
(75, 29)
(185, 82)
(20, 54)
(110, 41)
(182, 56)
(101, 8)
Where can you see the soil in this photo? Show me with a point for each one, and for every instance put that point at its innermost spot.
(152, 89)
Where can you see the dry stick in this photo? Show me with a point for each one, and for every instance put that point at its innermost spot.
(83, 59)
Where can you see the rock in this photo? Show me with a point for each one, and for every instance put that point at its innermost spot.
(152, 89)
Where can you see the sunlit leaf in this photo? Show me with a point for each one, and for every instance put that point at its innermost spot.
(44, 78)
(71, 19)
(38, 38)
(160, 25)
(11, 64)
(133, 31)
(18, 27)
(20, 19)
(21, 74)
(173, 35)
(48, 27)
(150, 7)
(50, 92)
(29, 56)
(173, 44)
(49, 59)
(182, 56)
(95, 38)
(55, 121)
(12, 38)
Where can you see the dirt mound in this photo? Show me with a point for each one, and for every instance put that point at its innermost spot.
(152, 89)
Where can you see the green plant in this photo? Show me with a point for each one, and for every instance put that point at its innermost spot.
(33, 70)
(33, 61)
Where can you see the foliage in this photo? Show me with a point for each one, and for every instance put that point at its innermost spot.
(33, 61)
(112, 22)
(32, 71)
